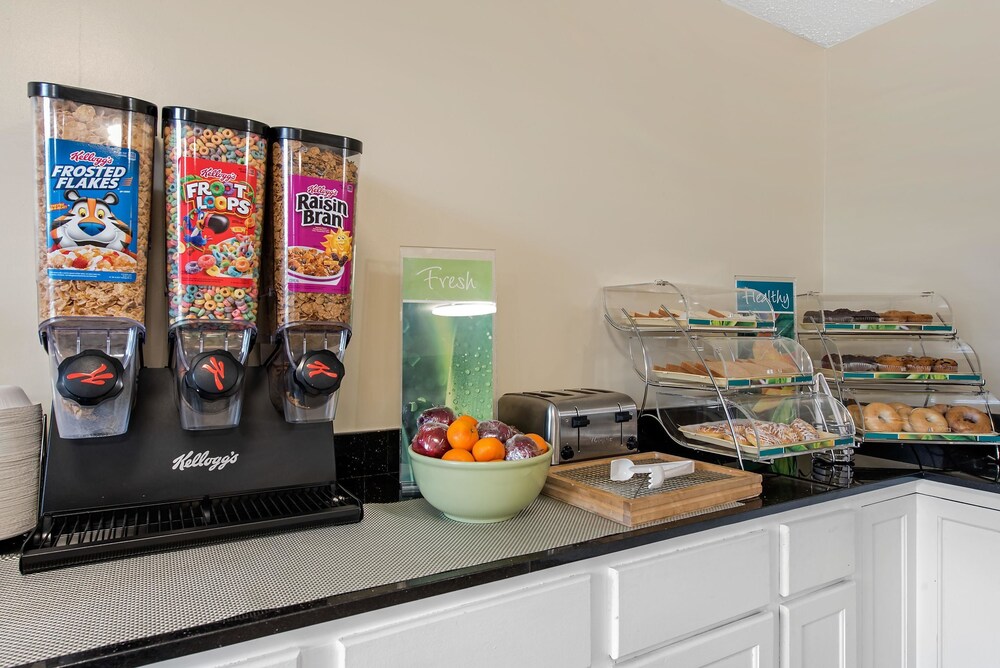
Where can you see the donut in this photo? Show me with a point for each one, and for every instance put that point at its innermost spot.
(926, 421)
(968, 420)
(902, 410)
(881, 417)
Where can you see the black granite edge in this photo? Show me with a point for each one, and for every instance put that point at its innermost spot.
(263, 623)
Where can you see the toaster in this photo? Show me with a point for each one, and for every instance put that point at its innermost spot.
(580, 424)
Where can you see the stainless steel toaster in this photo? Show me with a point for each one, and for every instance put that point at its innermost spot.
(580, 424)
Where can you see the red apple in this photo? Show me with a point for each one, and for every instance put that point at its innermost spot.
(431, 440)
(441, 414)
(520, 446)
(496, 429)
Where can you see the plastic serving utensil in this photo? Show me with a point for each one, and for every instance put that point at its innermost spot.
(624, 469)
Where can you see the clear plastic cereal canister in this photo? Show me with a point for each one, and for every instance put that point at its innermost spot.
(215, 173)
(94, 176)
(314, 179)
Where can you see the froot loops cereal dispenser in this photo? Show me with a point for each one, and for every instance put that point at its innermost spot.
(93, 155)
(314, 186)
(215, 173)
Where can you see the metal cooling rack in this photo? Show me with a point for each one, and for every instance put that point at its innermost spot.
(599, 477)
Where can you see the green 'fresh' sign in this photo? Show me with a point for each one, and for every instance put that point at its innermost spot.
(447, 280)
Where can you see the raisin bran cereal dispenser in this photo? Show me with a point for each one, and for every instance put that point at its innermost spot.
(215, 172)
(94, 162)
(314, 186)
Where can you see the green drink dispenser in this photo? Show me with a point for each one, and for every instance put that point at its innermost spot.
(447, 317)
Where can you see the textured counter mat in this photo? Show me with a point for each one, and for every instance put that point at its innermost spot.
(55, 613)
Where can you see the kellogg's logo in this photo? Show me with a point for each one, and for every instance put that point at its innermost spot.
(91, 157)
(191, 460)
(319, 205)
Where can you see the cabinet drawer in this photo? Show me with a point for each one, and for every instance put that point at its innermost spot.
(658, 599)
(815, 551)
(748, 643)
(544, 625)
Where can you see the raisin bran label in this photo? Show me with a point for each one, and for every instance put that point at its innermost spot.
(319, 235)
(216, 205)
(92, 194)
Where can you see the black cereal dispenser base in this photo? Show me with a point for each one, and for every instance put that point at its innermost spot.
(159, 486)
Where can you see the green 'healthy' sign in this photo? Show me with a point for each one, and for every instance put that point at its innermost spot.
(447, 280)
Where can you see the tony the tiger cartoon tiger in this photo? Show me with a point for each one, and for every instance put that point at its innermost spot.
(90, 222)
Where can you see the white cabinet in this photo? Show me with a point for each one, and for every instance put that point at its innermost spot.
(748, 643)
(958, 612)
(818, 630)
(815, 551)
(679, 592)
(887, 579)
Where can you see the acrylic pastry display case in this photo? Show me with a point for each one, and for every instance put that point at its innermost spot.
(911, 359)
(725, 362)
(936, 414)
(665, 306)
(924, 312)
(766, 424)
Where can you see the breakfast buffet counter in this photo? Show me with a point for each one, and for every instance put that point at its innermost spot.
(154, 607)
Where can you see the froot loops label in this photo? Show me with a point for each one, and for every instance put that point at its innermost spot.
(217, 203)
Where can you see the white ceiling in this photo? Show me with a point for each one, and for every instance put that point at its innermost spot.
(827, 22)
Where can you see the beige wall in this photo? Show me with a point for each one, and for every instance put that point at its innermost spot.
(913, 163)
(588, 143)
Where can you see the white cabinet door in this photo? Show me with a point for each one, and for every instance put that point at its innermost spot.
(818, 630)
(959, 602)
(887, 583)
(748, 643)
(815, 551)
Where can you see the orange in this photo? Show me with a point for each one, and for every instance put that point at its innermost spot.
(462, 435)
(467, 418)
(488, 450)
(456, 455)
(543, 446)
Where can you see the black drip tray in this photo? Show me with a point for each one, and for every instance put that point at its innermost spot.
(75, 538)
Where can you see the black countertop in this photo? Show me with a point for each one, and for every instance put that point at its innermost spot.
(780, 494)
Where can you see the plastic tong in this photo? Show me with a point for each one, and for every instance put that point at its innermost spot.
(624, 469)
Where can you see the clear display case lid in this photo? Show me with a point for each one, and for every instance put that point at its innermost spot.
(930, 414)
(767, 424)
(723, 362)
(666, 306)
(924, 312)
(899, 358)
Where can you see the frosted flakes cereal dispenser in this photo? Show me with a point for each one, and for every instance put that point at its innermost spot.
(314, 186)
(215, 172)
(94, 174)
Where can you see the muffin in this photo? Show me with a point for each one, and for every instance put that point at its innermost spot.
(945, 365)
(890, 363)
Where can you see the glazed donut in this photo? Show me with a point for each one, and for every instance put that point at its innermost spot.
(881, 417)
(968, 420)
(902, 410)
(926, 421)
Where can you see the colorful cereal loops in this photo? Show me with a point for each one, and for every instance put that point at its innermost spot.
(90, 117)
(190, 133)
(323, 156)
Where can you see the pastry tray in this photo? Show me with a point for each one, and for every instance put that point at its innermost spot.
(917, 376)
(946, 437)
(724, 383)
(880, 327)
(707, 323)
(826, 442)
(587, 485)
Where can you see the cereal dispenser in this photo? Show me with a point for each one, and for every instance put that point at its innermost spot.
(215, 172)
(314, 185)
(93, 154)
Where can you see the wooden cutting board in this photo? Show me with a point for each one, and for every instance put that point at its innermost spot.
(588, 485)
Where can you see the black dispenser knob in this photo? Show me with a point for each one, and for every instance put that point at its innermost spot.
(214, 375)
(90, 377)
(319, 372)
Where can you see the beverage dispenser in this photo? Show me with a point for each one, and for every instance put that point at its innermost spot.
(215, 172)
(314, 186)
(94, 175)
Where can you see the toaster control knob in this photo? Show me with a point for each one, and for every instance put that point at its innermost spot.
(632, 443)
(566, 452)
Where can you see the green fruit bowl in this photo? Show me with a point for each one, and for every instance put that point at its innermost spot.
(480, 491)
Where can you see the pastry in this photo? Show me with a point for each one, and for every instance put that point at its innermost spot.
(881, 417)
(890, 363)
(926, 421)
(968, 420)
(945, 365)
